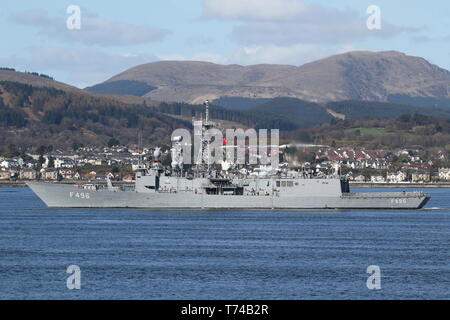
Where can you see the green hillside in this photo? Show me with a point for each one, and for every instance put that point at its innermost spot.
(370, 109)
(406, 130)
(134, 88)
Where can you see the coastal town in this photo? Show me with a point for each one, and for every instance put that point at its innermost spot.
(119, 163)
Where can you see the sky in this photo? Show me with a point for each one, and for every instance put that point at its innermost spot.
(116, 35)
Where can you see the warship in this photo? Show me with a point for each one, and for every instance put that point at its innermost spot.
(209, 187)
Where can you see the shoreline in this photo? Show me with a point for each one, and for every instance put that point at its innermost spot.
(21, 183)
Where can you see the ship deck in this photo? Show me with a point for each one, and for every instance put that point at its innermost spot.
(401, 194)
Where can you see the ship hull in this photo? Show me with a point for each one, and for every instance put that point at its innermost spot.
(70, 196)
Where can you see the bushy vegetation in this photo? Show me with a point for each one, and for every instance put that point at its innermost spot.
(32, 116)
(258, 119)
(49, 114)
(42, 75)
(10, 117)
(293, 113)
(372, 109)
(135, 88)
(11, 151)
(403, 131)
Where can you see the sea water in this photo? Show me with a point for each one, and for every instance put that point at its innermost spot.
(223, 254)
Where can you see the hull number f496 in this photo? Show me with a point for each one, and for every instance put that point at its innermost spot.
(79, 195)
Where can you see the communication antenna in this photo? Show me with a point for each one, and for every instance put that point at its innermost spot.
(206, 103)
(140, 147)
(208, 152)
(204, 152)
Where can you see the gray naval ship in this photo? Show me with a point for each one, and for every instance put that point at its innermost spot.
(158, 188)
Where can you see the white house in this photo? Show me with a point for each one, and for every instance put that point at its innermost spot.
(396, 177)
(444, 173)
(67, 173)
(9, 163)
(377, 179)
(64, 163)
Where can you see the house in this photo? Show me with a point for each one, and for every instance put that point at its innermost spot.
(128, 178)
(377, 179)
(89, 176)
(111, 162)
(101, 176)
(420, 176)
(49, 174)
(67, 173)
(444, 174)
(19, 161)
(64, 163)
(28, 174)
(135, 152)
(9, 163)
(137, 166)
(396, 177)
(99, 162)
(350, 176)
(32, 164)
(5, 175)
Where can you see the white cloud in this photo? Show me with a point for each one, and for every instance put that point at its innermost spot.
(302, 32)
(252, 9)
(94, 30)
(287, 22)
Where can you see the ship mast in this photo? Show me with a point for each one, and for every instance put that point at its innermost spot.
(208, 162)
(206, 112)
(204, 152)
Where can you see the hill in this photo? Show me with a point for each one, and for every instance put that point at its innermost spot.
(35, 115)
(359, 75)
(32, 113)
(34, 79)
(306, 114)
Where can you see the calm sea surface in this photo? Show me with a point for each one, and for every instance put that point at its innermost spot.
(140, 254)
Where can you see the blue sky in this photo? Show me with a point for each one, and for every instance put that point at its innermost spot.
(117, 35)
